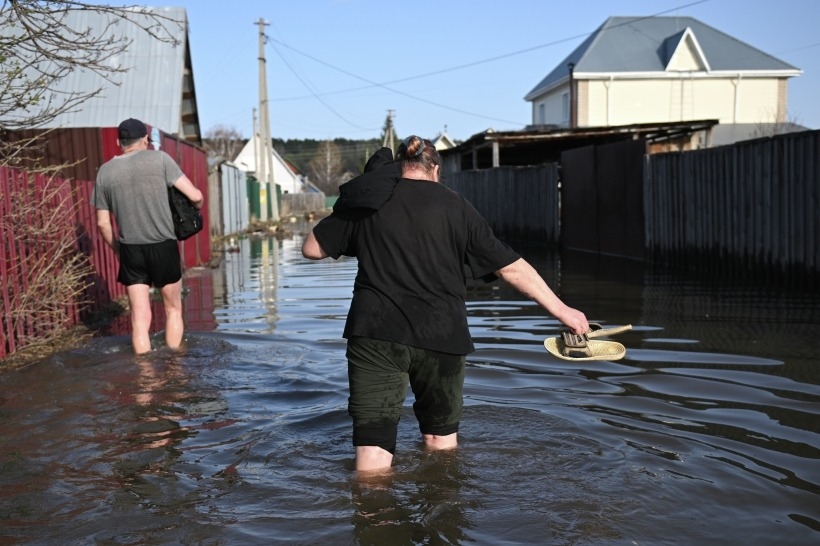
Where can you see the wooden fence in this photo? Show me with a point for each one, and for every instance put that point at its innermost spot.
(295, 204)
(518, 202)
(751, 205)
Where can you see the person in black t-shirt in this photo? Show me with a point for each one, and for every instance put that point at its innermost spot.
(407, 322)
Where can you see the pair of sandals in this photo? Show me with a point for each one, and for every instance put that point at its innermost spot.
(571, 346)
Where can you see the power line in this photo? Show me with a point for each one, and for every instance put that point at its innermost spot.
(462, 66)
(309, 86)
(396, 91)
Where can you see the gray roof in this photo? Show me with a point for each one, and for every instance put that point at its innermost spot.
(734, 132)
(156, 86)
(646, 44)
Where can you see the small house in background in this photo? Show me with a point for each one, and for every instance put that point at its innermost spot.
(443, 141)
(295, 194)
(284, 176)
(637, 70)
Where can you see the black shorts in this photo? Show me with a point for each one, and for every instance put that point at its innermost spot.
(156, 264)
(379, 372)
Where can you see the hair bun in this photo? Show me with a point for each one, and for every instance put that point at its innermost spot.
(409, 144)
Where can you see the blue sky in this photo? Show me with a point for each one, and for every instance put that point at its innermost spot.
(335, 67)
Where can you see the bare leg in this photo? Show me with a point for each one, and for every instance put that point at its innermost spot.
(433, 442)
(174, 325)
(370, 458)
(140, 317)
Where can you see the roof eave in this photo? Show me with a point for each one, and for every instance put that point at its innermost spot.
(546, 89)
(674, 74)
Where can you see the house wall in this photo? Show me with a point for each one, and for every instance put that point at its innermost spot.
(582, 104)
(553, 108)
(624, 102)
(606, 102)
(782, 100)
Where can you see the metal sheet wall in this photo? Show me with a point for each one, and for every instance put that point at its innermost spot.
(234, 195)
(517, 202)
(748, 205)
(602, 207)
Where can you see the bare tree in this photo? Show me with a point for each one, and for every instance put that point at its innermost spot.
(789, 125)
(50, 274)
(223, 142)
(326, 168)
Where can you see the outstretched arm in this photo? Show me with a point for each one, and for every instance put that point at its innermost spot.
(524, 278)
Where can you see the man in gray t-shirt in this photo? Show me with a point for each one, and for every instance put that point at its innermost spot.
(132, 189)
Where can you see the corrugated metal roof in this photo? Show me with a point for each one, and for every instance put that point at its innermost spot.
(641, 44)
(150, 88)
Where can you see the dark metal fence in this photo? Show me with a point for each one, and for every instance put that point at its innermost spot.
(752, 205)
(602, 199)
(518, 202)
(750, 208)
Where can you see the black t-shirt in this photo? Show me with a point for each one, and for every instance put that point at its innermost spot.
(412, 252)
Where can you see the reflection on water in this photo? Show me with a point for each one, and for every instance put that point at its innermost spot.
(706, 433)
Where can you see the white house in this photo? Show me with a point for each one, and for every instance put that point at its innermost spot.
(443, 141)
(283, 175)
(662, 69)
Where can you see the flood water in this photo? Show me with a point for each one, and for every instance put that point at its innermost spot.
(708, 432)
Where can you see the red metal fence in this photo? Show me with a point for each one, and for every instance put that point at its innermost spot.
(72, 215)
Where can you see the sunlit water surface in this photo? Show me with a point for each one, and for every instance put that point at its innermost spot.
(706, 433)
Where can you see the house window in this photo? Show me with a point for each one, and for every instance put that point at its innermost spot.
(542, 114)
(565, 107)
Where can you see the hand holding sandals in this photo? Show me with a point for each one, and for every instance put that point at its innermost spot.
(572, 346)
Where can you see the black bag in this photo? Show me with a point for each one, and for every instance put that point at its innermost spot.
(187, 218)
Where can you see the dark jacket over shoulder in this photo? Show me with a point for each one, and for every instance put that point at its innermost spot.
(374, 187)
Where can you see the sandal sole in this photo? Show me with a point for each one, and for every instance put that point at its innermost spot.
(601, 350)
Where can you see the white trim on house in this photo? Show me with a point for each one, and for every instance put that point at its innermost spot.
(688, 38)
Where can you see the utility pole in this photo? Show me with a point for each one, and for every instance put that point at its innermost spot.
(388, 135)
(264, 133)
(257, 158)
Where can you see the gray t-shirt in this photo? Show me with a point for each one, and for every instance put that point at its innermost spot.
(134, 188)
